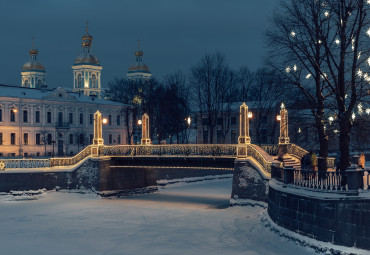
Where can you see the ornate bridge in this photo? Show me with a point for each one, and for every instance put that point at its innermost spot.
(264, 155)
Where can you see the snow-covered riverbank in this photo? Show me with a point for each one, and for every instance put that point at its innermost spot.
(181, 218)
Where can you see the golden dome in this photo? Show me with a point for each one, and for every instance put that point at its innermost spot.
(139, 67)
(87, 58)
(33, 66)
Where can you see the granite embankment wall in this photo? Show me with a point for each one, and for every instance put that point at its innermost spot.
(106, 173)
(325, 216)
(249, 180)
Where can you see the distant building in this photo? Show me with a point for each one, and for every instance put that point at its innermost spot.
(263, 127)
(87, 69)
(139, 70)
(36, 122)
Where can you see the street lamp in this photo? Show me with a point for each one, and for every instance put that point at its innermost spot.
(105, 121)
(188, 120)
(139, 122)
(250, 115)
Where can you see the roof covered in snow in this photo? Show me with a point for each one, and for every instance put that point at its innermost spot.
(58, 94)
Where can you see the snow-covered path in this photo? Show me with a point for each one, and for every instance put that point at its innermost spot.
(180, 219)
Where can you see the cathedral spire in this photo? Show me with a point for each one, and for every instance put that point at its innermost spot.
(87, 39)
(33, 52)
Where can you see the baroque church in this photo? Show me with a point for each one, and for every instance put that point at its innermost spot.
(36, 121)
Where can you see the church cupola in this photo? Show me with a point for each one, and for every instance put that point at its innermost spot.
(139, 70)
(87, 69)
(33, 72)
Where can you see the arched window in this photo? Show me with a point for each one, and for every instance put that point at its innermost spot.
(93, 81)
(79, 81)
(39, 84)
(26, 83)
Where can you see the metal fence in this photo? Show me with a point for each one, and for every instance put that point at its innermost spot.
(23, 163)
(350, 180)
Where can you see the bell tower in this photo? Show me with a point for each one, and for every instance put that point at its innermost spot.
(87, 69)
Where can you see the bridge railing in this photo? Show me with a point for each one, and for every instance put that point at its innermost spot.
(23, 163)
(214, 150)
(71, 160)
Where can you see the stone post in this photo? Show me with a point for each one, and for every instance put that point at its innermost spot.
(284, 137)
(98, 133)
(244, 138)
(145, 140)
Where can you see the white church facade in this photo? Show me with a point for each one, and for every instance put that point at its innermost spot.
(37, 121)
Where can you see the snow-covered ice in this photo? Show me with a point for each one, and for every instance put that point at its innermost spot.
(181, 218)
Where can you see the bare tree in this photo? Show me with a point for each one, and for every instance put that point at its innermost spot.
(212, 81)
(244, 83)
(267, 92)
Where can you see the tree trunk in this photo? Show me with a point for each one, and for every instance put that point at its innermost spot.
(324, 149)
(344, 141)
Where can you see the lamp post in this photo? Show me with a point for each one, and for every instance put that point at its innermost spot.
(188, 120)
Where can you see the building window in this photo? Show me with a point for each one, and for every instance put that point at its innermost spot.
(39, 83)
(37, 117)
(71, 118)
(93, 81)
(12, 138)
(91, 138)
(25, 138)
(25, 116)
(26, 83)
(12, 115)
(81, 118)
(60, 118)
(118, 120)
(82, 139)
(48, 117)
(233, 120)
(71, 139)
(1, 138)
(1, 114)
(49, 138)
(38, 138)
(119, 139)
(79, 81)
(110, 138)
(91, 119)
(109, 119)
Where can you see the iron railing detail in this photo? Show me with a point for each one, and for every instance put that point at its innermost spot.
(214, 150)
(72, 160)
(23, 163)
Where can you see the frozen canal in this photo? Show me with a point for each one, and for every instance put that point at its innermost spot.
(191, 218)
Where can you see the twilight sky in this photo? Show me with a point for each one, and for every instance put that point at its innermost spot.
(174, 34)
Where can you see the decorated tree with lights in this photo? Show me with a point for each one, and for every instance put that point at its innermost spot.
(347, 47)
(318, 44)
(296, 52)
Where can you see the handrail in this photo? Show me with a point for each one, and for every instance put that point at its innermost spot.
(71, 160)
(214, 150)
(296, 150)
